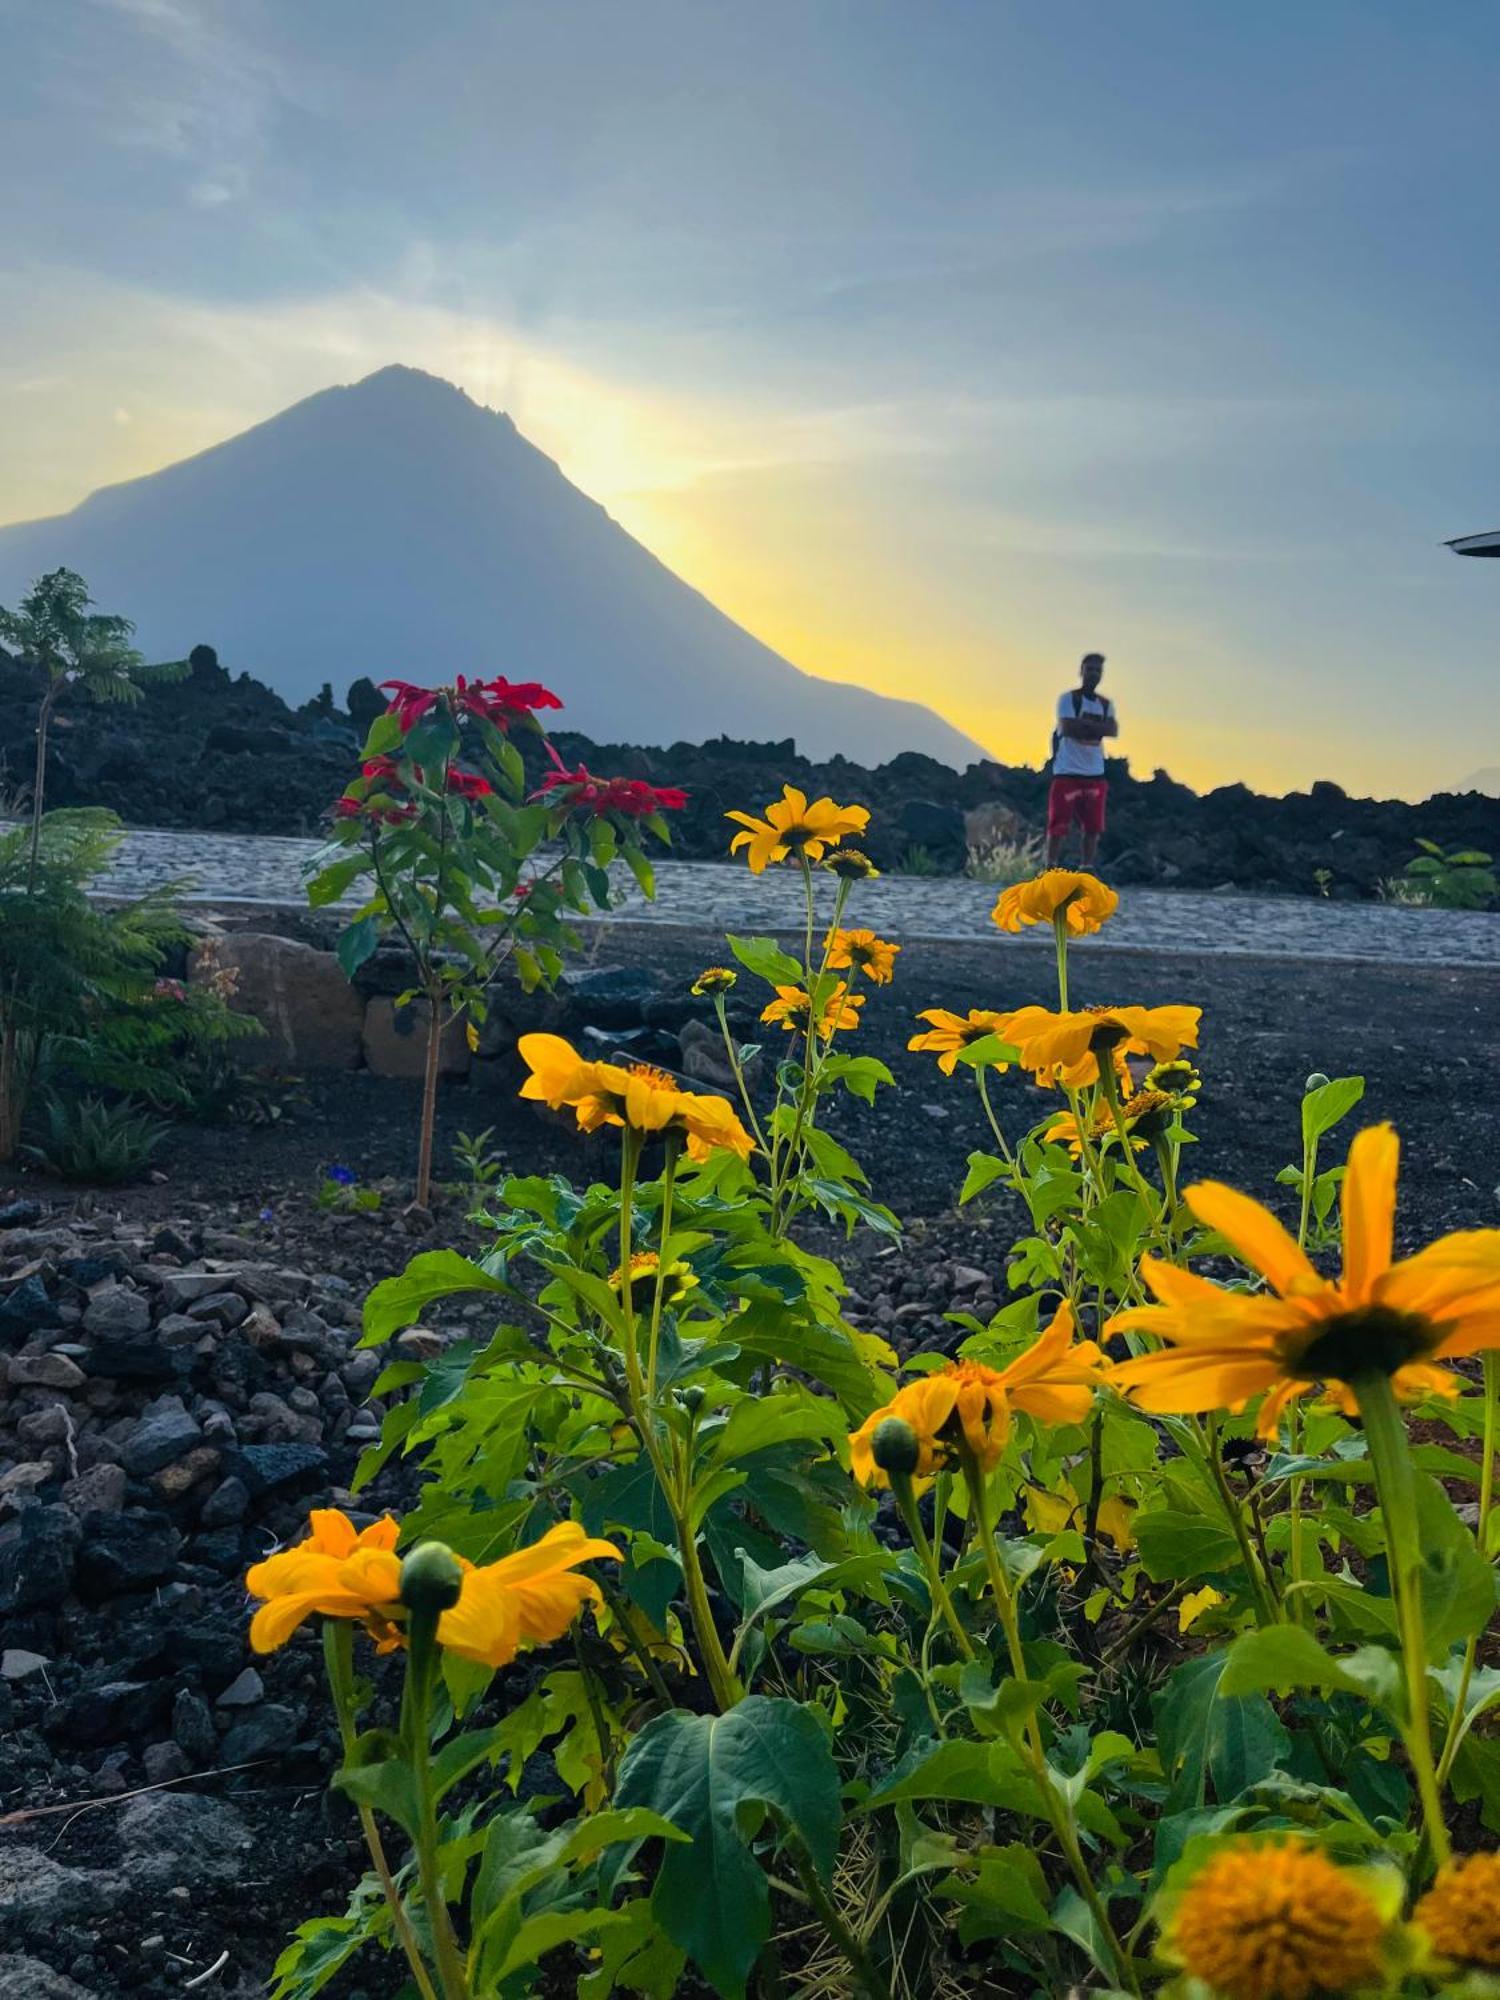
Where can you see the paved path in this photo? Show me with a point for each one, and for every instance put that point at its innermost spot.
(245, 868)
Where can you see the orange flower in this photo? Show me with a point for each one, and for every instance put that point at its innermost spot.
(1394, 1319)
(1065, 1048)
(792, 826)
(874, 956)
(526, 1599)
(338, 1571)
(790, 1008)
(951, 1033)
(1083, 902)
(637, 1095)
(965, 1404)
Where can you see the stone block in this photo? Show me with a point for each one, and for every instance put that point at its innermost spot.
(395, 1040)
(310, 1012)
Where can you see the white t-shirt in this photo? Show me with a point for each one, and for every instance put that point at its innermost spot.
(1075, 759)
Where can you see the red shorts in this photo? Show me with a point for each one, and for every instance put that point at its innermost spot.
(1079, 800)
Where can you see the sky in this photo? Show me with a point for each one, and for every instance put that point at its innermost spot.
(937, 341)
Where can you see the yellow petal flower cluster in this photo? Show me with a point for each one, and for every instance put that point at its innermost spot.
(337, 1571)
(790, 1008)
(1065, 1048)
(526, 1599)
(965, 1405)
(636, 1095)
(1276, 1920)
(1461, 1912)
(792, 826)
(1396, 1319)
(874, 956)
(678, 1281)
(951, 1033)
(1084, 903)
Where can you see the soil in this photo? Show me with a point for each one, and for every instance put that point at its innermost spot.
(1427, 1041)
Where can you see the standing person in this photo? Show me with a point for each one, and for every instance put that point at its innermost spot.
(1084, 719)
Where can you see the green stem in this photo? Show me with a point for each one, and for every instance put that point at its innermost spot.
(416, 1713)
(1454, 1734)
(1056, 1807)
(982, 1079)
(338, 1659)
(669, 1176)
(1109, 1090)
(1390, 1458)
(1060, 940)
(867, 1974)
(906, 1504)
(1234, 1513)
(738, 1072)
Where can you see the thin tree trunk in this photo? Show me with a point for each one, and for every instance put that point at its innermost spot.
(429, 1097)
(39, 781)
(11, 1105)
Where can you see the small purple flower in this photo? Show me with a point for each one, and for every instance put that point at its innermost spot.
(342, 1176)
(268, 1215)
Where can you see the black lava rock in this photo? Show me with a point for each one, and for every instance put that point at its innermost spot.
(109, 1713)
(20, 1215)
(37, 1558)
(265, 1732)
(28, 1309)
(125, 1552)
(159, 1439)
(269, 1468)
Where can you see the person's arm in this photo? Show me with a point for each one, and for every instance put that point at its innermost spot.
(1078, 728)
(1110, 725)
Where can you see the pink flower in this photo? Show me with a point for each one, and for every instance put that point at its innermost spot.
(632, 797)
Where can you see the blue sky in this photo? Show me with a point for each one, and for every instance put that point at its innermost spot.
(936, 341)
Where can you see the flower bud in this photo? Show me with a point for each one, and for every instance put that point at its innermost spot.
(431, 1579)
(1315, 1082)
(895, 1447)
(692, 1398)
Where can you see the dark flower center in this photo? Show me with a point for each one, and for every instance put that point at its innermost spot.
(1370, 1340)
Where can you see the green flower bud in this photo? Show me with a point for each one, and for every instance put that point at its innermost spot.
(431, 1578)
(895, 1447)
(692, 1398)
(1315, 1082)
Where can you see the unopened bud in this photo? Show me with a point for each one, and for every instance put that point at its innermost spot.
(895, 1446)
(692, 1398)
(431, 1578)
(1315, 1082)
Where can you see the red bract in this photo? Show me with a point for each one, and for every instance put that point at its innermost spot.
(501, 701)
(409, 703)
(468, 785)
(631, 796)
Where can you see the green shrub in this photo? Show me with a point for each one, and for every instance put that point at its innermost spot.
(94, 1142)
(1463, 878)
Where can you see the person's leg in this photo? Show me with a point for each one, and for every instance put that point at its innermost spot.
(1091, 820)
(1059, 819)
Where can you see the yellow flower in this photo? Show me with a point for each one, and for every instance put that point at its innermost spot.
(338, 1571)
(1050, 1513)
(715, 979)
(1275, 1921)
(850, 865)
(792, 826)
(679, 1280)
(1461, 1912)
(1065, 1048)
(1083, 901)
(1178, 1079)
(790, 1008)
(526, 1599)
(967, 1404)
(874, 956)
(637, 1095)
(1145, 1115)
(1393, 1319)
(952, 1033)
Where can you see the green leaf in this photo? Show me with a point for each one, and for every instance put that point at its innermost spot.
(764, 957)
(1278, 1658)
(385, 736)
(1174, 1545)
(1323, 1108)
(357, 943)
(1207, 1735)
(434, 1274)
(330, 883)
(714, 1777)
(984, 1168)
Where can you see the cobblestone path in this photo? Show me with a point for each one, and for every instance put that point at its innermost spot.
(245, 868)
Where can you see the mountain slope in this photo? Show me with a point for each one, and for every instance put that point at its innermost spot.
(397, 528)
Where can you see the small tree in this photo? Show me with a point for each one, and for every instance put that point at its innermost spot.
(440, 820)
(54, 631)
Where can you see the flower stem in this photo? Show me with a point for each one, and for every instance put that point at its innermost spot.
(416, 1712)
(338, 1659)
(669, 1176)
(1213, 1463)
(982, 1080)
(1454, 1736)
(906, 1503)
(1060, 940)
(1390, 1459)
(867, 1974)
(1056, 1807)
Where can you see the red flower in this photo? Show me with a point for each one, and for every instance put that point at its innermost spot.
(632, 797)
(409, 703)
(468, 784)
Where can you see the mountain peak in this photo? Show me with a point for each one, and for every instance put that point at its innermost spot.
(395, 527)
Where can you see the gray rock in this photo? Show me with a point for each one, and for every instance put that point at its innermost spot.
(218, 1309)
(43, 1427)
(180, 1289)
(229, 1502)
(163, 1762)
(44, 1371)
(16, 1664)
(271, 1468)
(193, 1728)
(244, 1691)
(37, 1558)
(23, 1978)
(100, 1490)
(28, 1307)
(35, 1887)
(174, 1838)
(265, 1732)
(967, 1278)
(117, 1313)
(166, 1433)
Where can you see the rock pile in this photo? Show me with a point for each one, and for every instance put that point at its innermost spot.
(168, 1407)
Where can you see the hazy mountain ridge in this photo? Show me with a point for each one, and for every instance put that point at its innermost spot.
(395, 527)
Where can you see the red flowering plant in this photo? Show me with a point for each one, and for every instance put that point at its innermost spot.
(465, 866)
